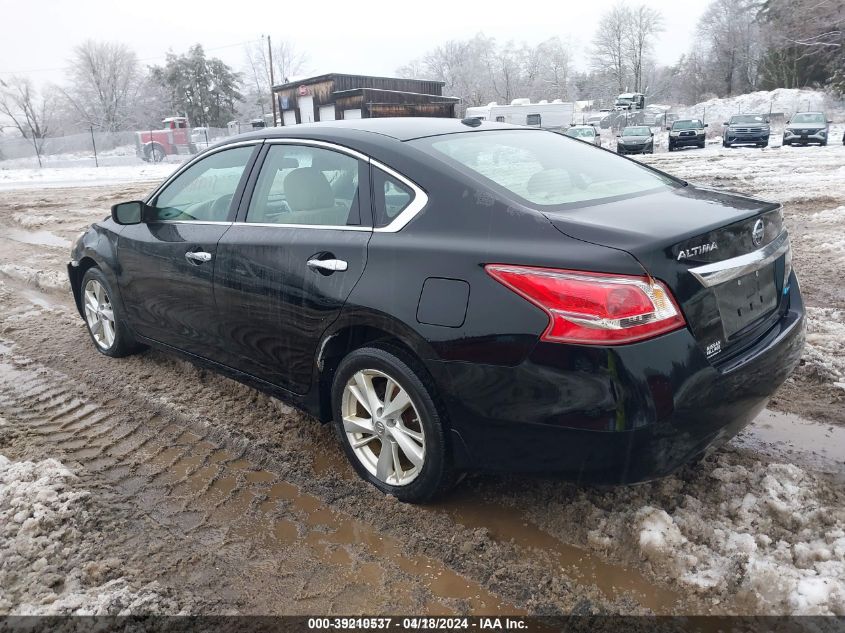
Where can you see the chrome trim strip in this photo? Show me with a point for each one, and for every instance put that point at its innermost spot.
(331, 227)
(316, 143)
(411, 211)
(719, 272)
(200, 156)
(189, 222)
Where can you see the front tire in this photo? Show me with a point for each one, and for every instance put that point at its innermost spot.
(390, 427)
(105, 323)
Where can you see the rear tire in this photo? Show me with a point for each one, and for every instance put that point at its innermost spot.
(401, 451)
(103, 318)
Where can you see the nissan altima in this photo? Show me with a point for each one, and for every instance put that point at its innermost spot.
(458, 295)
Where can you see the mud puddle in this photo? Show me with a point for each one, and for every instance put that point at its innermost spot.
(199, 487)
(815, 444)
(505, 523)
(36, 238)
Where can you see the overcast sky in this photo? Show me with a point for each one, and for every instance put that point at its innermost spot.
(37, 36)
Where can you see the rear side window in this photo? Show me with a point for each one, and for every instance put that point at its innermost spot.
(391, 197)
(544, 168)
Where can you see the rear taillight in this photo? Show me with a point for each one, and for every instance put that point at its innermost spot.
(594, 308)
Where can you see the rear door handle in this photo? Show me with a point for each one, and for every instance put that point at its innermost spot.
(329, 265)
(198, 256)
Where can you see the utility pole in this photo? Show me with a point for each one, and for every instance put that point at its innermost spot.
(272, 79)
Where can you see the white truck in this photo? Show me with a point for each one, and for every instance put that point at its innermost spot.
(554, 115)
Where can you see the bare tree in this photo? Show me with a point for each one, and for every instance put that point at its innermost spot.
(555, 62)
(643, 24)
(105, 81)
(730, 32)
(288, 61)
(610, 44)
(30, 113)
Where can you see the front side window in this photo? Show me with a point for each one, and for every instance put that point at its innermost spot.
(543, 168)
(204, 191)
(306, 185)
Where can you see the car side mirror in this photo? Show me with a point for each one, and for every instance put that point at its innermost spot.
(787, 121)
(668, 128)
(128, 212)
(830, 121)
(705, 125)
(652, 133)
(725, 123)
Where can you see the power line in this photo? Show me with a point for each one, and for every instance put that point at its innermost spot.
(141, 59)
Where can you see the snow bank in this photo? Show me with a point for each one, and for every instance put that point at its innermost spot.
(767, 535)
(49, 538)
(825, 350)
(43, 279)
(786, 100)
(83, 176)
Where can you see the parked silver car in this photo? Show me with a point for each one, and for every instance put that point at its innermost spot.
(806, 127)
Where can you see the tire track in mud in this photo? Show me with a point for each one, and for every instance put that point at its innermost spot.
(529, 572)
(194, 485)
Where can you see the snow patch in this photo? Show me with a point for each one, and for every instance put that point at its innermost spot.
(48, 532)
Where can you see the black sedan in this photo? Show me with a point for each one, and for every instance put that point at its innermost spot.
(458, 296)
(635, 139)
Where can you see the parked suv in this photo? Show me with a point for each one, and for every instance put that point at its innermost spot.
(806, 127)
(746, 129)
(685, 132)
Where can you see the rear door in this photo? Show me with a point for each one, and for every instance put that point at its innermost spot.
(286, 267)
(167, 262)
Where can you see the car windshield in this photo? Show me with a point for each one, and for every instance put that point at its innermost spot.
(808, 117)
(747, 118)
(686, 125)
(543, 169)
(581, 132)
(636, 131)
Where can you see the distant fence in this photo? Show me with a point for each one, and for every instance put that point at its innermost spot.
(90, 149)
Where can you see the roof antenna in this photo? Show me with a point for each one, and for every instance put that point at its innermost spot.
(471, 121)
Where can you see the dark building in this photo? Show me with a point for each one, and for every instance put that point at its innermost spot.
(338, 96)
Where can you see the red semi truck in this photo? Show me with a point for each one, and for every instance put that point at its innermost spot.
(173, 138)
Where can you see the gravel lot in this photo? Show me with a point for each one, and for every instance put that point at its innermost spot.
(149, 485)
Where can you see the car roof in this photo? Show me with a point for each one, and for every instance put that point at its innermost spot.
(399, 128)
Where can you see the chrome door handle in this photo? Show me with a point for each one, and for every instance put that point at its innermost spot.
(198, 256)
(330, 265)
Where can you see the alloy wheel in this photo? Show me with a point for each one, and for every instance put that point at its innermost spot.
(383, 427)
(99, 314)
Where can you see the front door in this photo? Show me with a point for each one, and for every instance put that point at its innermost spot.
(286, 268)
(167, 262)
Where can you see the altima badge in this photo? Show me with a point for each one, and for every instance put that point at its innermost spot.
(758, 232)
(697, 250)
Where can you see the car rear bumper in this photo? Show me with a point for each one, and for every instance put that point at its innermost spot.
(615, 415)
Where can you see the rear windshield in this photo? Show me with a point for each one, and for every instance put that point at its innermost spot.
(686, 125)
(808, 117)
(543, 168)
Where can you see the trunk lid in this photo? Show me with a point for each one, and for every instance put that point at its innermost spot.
(725, 257)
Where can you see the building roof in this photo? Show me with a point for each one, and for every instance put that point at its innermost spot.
(327, 76)
(354, 91)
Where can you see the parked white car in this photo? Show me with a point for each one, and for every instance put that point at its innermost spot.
(586, 133)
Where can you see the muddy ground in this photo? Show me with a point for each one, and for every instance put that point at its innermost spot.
(149, 485)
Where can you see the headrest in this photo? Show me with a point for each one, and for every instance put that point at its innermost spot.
(306, 188)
